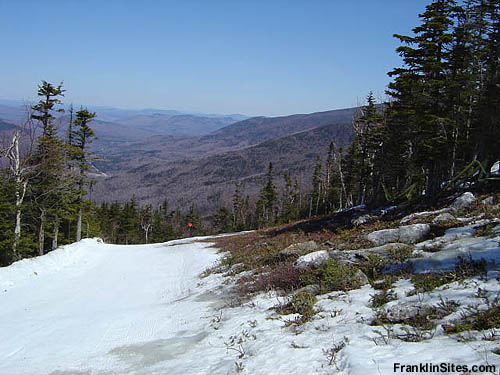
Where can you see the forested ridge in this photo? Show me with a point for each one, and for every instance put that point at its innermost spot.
(438, 131)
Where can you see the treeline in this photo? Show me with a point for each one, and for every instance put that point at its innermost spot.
(439, 130)
(289, 202)
(441, 125)
(130, 223)
(43, 188)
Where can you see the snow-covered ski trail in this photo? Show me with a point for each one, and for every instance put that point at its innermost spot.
(92, 308)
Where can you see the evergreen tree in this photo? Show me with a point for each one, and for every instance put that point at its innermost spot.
(223, 220)
(333, 183)
(7, 254)
(488, 119)
(50, 180)
(238, 217)
(267, 202)
(420, 118)
(289, 200)
(317, 188)
(364, 155)
(82, 137)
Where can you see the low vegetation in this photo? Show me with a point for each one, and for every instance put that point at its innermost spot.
(476, 319)
(380, 299)
(333, 276)
(301, 303)
(427, 282)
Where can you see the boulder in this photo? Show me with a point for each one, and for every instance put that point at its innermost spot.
(313, 260)
(488, 201)
(352, 257)
(422, 216)
(347, 257)
(443, 218)
(363, 219)
(298, 249)
(313, 289)
(381, 237)
(407, 310)
(466, 200)
(495, 168)
(408, 234)
(360, 278)
(388, 248)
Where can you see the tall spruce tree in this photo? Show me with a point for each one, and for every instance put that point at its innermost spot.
(267, 202)
(488, 119)
(50, 180)
(82, 137)
(420, 111)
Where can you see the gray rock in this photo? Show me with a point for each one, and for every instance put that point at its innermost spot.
(443, 218)
(464, 201)
(328, 243)
(423, 216)
(313, 260)
(299, 249)
(407, 310)
(313, 289)
(495, 168)
(489, 201)
(363, 220)
(408, 234)
(353, 257)
(383, 236)
(347, 257)
(388, 248)
(360, 278)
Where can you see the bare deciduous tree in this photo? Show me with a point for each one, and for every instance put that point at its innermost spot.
(18, 153)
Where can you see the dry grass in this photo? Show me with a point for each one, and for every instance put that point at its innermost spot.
(259, 251)
(284, 277)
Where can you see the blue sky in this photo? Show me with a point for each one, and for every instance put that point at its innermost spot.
(256, 57)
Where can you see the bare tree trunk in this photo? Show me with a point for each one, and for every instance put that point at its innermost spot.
(79, 225)
(317, 201)
(20, 193)
(17, 170)
(56, 233)
(41, 234)
(342, 184)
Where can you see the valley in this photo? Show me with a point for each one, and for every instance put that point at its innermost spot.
(185, 158)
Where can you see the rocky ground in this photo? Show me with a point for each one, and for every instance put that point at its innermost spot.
(423, 288)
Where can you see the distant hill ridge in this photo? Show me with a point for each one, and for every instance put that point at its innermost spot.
(209, 181)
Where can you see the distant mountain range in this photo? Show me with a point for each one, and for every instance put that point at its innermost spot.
(183, 157)
(4, 125)
(203, 169)
(209, 181)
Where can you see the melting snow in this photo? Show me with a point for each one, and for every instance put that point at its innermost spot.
(92, 308)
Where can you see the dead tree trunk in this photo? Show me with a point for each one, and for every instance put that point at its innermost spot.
(17, 170)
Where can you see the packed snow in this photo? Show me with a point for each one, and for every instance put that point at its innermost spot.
(92, 308)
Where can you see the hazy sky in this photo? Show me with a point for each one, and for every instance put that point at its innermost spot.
(253, 57)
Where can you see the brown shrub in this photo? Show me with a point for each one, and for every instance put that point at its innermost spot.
(284, 277)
